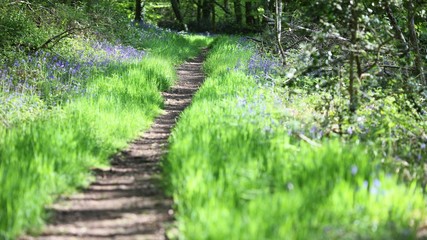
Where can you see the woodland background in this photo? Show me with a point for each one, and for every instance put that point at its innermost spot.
(317, 106)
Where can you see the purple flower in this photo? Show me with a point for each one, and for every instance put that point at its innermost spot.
(350, 130)
(375, 188)
(354, 170)
(365, 184)
(313, 130)
(377, 183)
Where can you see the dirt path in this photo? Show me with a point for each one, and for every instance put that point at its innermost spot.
(126, 202)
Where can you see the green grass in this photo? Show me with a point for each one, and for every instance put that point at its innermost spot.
(52, 153)
(235, 172)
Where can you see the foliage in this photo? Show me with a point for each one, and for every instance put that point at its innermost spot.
(356, 67)
(254, 174)
(318, 120)
(207, 15)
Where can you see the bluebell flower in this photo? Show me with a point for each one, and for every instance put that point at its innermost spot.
(354, 170)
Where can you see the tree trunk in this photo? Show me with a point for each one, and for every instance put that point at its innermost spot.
(199, 11)
(226, 6)
(213, 18)
(206, 13)
(413, 42)
(177, 11)
(404, 47)
(398, 35)
(352, 89)
(250, 20)
(138, 11)
(278, 19)
(271, 5)
(238, 12)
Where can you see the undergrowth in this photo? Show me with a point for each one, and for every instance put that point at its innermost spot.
(242, 166)
(64, 112)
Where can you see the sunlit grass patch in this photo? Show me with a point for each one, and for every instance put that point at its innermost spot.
(48, 148)
(54, 153)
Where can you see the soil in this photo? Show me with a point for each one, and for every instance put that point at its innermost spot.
(127, 201)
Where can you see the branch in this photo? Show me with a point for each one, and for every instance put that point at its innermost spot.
(308, 140)
(268, 18)
(55, 39)
(222, 7)
(378, 55)
(398, 34)
(328, 35)
(294, 44)
(396, 67)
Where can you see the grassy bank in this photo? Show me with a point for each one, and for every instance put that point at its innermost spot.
(51, 151)
(238, 168)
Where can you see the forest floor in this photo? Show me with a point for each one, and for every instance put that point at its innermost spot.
(127, 201)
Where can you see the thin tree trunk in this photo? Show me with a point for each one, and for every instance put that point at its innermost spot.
(138, 11)
(413, 40)
(226, 6)
(351, 87)
(206, 13)
(404, 46)
(354, 24)
(250, 20)
(238, 12)
(279, 8)
(177, 11)
(271, 5)
(199, 11)
(398, 35)
(213, 18)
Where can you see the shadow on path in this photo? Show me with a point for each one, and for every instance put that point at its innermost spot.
(126, 201)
